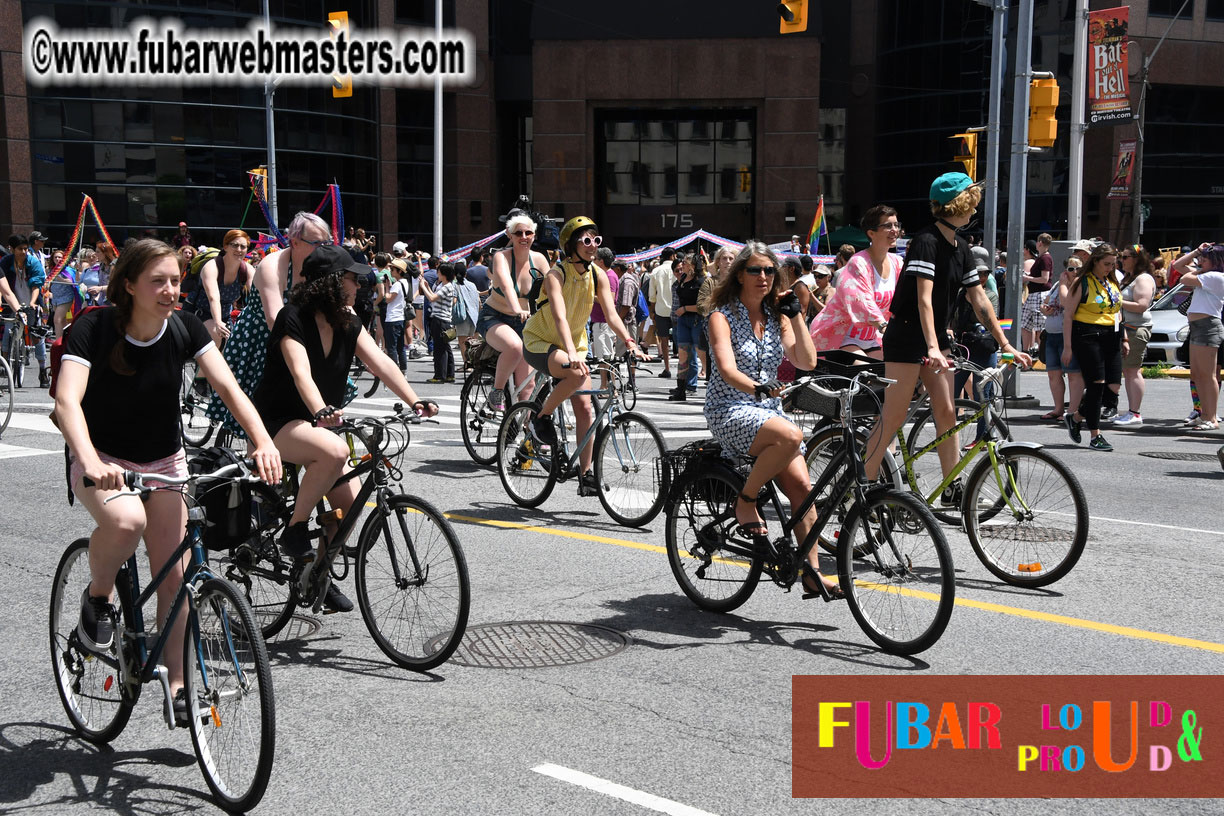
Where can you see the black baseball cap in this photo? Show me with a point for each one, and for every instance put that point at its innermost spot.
(331, 260)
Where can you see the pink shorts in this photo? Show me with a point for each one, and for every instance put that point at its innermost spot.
(173, 465)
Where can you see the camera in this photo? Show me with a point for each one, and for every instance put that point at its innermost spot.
(548, 229)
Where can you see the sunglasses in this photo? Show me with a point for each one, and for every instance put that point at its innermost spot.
(523, 233)
(761, 270)
(324, 242)
(891, 227)
(588, 240)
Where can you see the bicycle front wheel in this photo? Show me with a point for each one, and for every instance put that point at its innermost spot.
(477, 422)
(821, 449)
(6, 395)
(716, 571)
(629, 468)
(527, 469)
(412, 583)
(901, 589)
(194, 396)
(1028, 519)
(230, 709)
(90, 686)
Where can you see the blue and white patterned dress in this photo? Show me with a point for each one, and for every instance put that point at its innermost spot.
(733, 416)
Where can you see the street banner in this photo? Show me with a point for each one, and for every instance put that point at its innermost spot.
(1108, 85)
(1120, 187)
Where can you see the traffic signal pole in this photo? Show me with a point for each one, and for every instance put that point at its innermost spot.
(998, 34)
(1019, 170)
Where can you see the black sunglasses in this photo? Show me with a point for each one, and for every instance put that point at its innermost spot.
(761, 270)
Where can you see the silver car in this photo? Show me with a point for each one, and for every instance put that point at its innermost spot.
(1170, 328)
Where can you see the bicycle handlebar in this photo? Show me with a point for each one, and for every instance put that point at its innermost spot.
(135, 480)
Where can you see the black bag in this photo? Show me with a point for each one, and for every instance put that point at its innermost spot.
(969, 332)
(1041, 345)
(226, 503)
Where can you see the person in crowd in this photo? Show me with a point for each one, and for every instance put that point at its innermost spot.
(1000, 278)
(515, 271)
(661, 280)
(186, 253)
(804, 283)
(96, 275)
(1070, 394)
(24, 273)
(246, 349)
(310, 350)
(1206, 331)
(126, 349)
(844, 253)
(686, 318)
(478, 272)
(442, 302)
(382, 282)
(63, 286)
(1138, 293)
(555, 338)
(753, 323)
(422, 270)
(398, 295)
(858, 310)
(603, 339)
(1036, 280)
(470, 295)
(182, 237)
(222, 282)
(1091, 314)
(718, 269)
(971, 332)
(937, 262)
(628, 288)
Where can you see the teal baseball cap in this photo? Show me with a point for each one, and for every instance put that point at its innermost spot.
(949, 186)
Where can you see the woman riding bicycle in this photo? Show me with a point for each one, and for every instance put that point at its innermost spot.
(555, 337)
(310, 351)
(501, 318)
(222, 282)
(937, 263)
(117, 396)
(752, 323)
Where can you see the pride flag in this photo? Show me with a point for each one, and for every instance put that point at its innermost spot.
(1005, 323)
(820, 227)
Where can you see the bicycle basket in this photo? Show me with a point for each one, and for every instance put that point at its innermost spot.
(808, 400)
(226, 503)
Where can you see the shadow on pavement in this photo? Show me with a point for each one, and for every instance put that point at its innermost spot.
(320, 652)
(684, 626)
(35, 755)
(589, 519)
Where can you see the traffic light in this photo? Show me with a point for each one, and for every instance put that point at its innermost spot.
(966, 152)
(794, 16)
(1043, 103)
(337, 22)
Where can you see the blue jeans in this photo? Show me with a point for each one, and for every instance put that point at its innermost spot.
(395, 342)
(688, 332)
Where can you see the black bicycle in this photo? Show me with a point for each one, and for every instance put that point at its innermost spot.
(410, 572)
(228, 679)
(893, 562)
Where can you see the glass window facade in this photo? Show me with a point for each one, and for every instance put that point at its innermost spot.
(414, 111)
(1183, 164)
(152, 156)
(1167, 8)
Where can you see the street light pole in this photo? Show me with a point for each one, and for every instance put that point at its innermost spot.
(270, 126)
(437, 203)
(998, 34)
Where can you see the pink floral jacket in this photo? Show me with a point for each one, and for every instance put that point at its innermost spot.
(853, 303)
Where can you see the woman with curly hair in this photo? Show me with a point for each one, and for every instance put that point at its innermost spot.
(312, 345)
(938, 262)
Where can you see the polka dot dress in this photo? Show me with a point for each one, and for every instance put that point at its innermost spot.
(733, 416)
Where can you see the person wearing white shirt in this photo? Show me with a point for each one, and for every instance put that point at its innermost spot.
(661, 280)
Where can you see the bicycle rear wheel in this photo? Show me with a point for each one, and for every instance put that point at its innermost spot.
(412, 583)
(194, 396)
(6, 395)
(90, 686)
(821, 449)
(714, 569)
(527, 470)
(228, 682)
(927, 471)
(1031, 531)
(257, 567)
(633, 479)
(477, 422)
(902, 588)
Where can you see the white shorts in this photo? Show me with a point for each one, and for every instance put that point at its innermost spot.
(603, 341)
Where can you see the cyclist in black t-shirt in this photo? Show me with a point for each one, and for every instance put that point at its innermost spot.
(938, 263)
(310, 350)
(117, 405)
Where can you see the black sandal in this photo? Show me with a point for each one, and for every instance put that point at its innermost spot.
(817, 587)
(754, 529)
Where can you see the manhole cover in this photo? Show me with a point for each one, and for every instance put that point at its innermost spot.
(1025, 533)
(1179, 457)
(299, 627)
(536, 645)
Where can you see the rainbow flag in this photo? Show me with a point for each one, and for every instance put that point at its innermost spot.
(1005, 323)
(820, 226)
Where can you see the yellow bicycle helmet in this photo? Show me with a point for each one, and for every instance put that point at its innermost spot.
(572, 226)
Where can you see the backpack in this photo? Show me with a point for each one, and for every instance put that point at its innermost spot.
(640, 311)
(227, 504)
(191, 278)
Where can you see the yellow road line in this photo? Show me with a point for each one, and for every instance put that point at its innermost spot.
(1064, 620)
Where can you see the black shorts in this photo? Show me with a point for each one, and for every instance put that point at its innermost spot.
(904, 343)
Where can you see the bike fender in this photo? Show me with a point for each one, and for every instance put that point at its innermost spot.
(1004, 447)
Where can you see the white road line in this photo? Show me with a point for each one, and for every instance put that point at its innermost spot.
(637, 797)
(1142, 523)
(33, 422)
(16, 451)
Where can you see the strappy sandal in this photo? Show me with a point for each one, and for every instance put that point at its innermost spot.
(1052, 416)
(755, 530)
(1204, 425)
(813, 587)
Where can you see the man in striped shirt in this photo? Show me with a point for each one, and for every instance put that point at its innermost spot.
(442, 301)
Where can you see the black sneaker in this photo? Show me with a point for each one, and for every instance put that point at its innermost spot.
(587, 485)
(679, 394)
(182, 711)
(44, 379)
(1220, 456)
(952, 494)
(295, 541)
(96, 629)
(1073, 428)
(665, 373)
(542, 430)
(336, 601)
(1108, 413)
(1098, 443)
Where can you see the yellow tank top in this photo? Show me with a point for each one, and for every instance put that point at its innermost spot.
(1101, 303)
(578, 292)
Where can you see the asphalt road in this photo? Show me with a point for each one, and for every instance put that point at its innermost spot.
(695, 710)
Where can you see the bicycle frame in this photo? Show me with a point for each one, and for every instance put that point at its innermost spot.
(608, 405)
